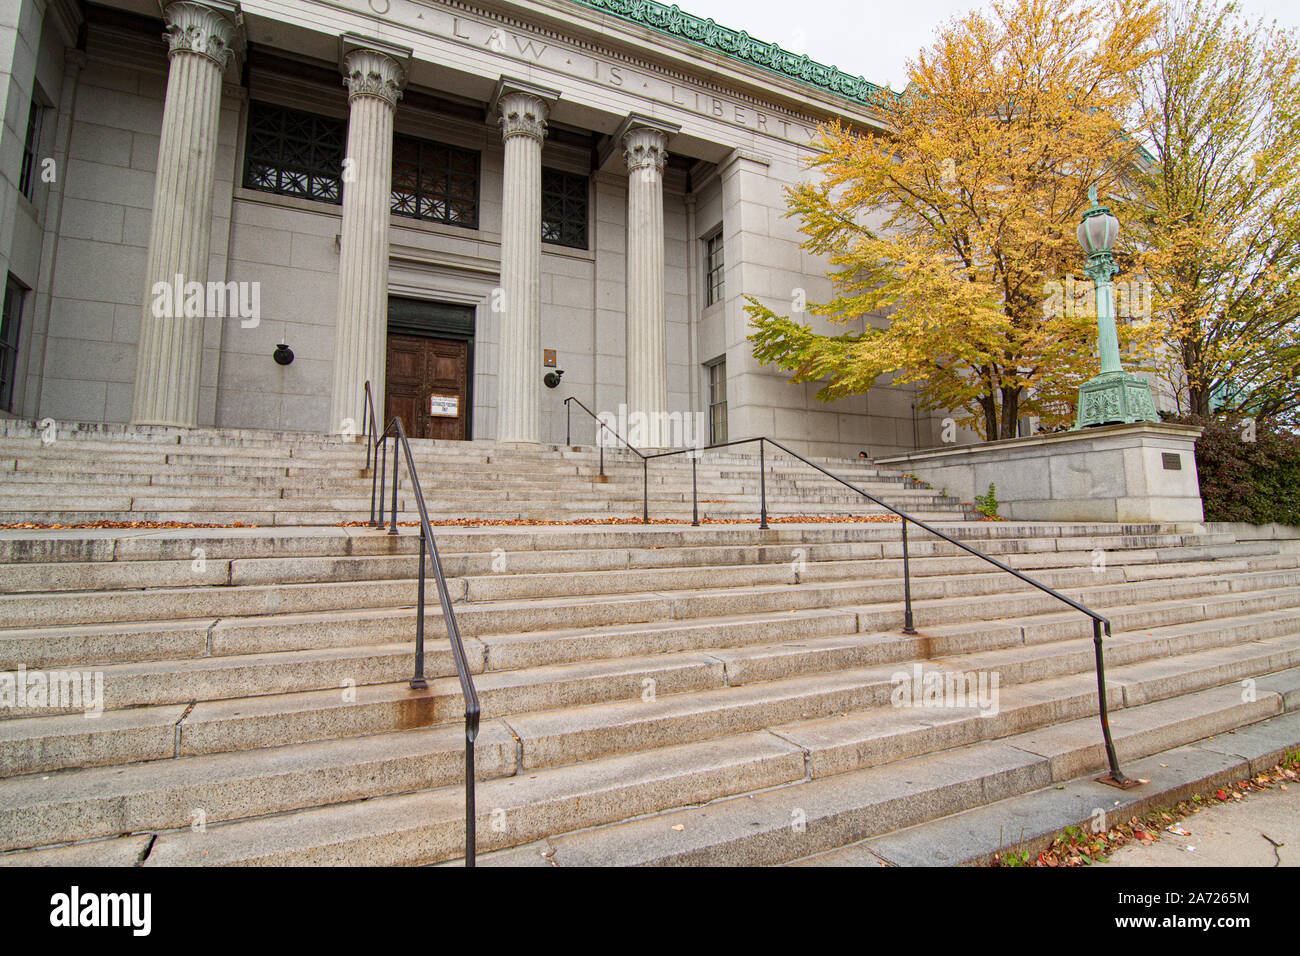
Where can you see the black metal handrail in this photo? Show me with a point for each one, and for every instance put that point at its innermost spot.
(645, 459)
(376, 443)
(1100, 623)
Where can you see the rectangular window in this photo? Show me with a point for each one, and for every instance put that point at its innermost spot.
(717, 401)
(434, 182)
(27, 175)
(9, 319)
(292, 153)
(713, 265)
(564, 208)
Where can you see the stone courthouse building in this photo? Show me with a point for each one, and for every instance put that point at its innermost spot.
(448, 199)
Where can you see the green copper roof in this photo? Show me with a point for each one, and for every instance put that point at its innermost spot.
(736, 43)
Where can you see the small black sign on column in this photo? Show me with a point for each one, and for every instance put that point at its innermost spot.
(1172, 460)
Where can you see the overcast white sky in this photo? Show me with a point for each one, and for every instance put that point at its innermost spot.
(875, 38)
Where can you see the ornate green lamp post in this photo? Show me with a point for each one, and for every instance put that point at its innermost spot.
(1113, 396)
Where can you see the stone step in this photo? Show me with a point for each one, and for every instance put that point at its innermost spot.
(702, 591)
(784, 823)
(779, 814)
(261, 680)
(1030, 822)
(81, 644)
(560, 631)
(513, 468)
(72, 607)
(71, 433)
(353, 462)
(333, 450)
(585, 733)
(96, 472)
(263, 489)
(632, 784)
(755, 682)
(20, 546)
(681, 514)
(178, 477)
(1011, 604)
(559, 646)
(231, 786)
(198, 501)
(830, 559)
(109, 800)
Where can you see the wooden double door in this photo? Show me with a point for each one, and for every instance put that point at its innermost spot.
(428, 385)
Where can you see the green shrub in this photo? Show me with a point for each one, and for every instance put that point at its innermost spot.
(988, 504)
(1253, 481)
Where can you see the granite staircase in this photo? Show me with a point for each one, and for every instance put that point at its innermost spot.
(651, 694)
(79, 474)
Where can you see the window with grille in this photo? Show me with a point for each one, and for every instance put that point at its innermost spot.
(564, 208)
(717, 401)
(293, 153)
(9, 319)
(435, 182)
(713, 265)
(27, 174)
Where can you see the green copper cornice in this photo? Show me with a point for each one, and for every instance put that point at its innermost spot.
(736, 43)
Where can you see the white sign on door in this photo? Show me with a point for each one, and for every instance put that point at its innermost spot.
(444, 406)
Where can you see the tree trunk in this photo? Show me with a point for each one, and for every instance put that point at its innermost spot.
(1010, 412)
(1198, 390)
(990, 407)
(1199, 400)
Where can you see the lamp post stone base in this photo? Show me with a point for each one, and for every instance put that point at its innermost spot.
(1115, 398)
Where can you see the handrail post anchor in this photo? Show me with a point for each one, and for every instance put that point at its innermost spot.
(382, 461)
(695, 497)
(397, 446)
(909, 627)
(1114, 777)
(418, 682)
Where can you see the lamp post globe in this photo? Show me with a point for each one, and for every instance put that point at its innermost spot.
(1098, 229)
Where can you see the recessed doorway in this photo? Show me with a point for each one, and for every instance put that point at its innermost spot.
(429, 380)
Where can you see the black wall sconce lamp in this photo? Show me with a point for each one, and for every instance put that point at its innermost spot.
(552, 379)
(283, 355)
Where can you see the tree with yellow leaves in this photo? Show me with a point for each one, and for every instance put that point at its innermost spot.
(949, 225)
(1215, 220)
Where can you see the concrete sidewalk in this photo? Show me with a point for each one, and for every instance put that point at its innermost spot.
(1236, 833)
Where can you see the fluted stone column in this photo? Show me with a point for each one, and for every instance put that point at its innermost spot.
(523, 126)
(374, 80)
(645, 153)
(201, 38)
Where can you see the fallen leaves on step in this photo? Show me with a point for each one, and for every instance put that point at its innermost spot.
(477, 522)
(1079, 847)
(37, 526)
(533, 522)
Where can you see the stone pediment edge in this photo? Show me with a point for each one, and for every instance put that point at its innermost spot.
(633, 32)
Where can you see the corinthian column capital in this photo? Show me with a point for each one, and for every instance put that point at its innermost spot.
(645, 148)
(523, 114)
(369, 72)
(210, 30)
